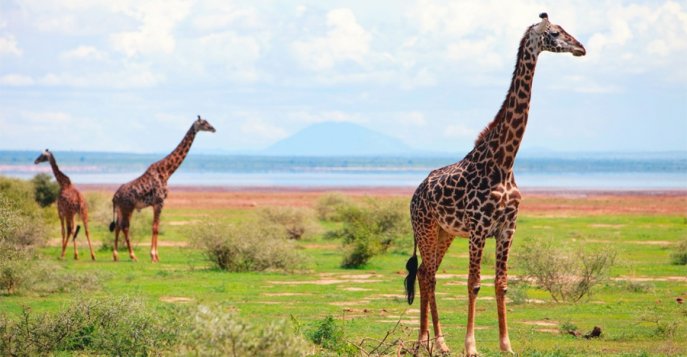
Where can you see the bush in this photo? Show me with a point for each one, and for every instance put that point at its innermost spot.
(45, 190)
(217, 333)
(116, 327)
(22, 222)
(566, 275)
(296, 223)
(371, 229)
(679, 255)
(247, 247)
(330, 206)
(330, 336)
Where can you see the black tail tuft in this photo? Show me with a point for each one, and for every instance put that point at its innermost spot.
(76, 232)
(409, 282)
(112, 226)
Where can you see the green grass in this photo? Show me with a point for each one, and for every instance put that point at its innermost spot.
(373, 302)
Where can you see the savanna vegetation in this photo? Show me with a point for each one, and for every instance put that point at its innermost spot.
(326, 280)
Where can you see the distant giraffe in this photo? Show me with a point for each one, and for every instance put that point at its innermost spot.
(69, 203)
(477, 197)
(150, 189)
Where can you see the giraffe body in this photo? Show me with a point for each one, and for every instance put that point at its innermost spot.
(70, 202)
(477, 197)
(150, 190)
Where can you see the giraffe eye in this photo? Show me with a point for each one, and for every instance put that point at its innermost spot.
(555, 34)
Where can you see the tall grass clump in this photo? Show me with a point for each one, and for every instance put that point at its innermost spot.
(247, 246)
(372, 228)
(679, 255)
(106, 326)
(567, 274)
(297, 223)
(218, 333)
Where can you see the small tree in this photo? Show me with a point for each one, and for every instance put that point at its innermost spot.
(45, 190)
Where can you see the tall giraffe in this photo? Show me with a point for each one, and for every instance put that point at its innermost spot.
(70, 202)
(477, 197)
(150, 189)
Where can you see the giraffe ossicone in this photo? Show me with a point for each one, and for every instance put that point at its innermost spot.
(477, 197)
(150, 189)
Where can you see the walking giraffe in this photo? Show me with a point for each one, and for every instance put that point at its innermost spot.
(150, 189)
(70, 202)
(477, 197)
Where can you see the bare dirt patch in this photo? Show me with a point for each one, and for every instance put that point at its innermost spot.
(548, 323)
(175, 299)
(355, 289)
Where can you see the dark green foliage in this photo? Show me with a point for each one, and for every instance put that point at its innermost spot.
(330, 206)
(679, 255)
(330, 336)
(371, 229)
(45, 190)
(297, 223)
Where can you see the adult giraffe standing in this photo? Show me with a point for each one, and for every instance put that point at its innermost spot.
(477, 197)
(70, 202)
(150, 189)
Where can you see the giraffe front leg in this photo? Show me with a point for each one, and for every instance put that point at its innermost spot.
(503, 244)
(476, 249)
(157, 210)
(423, 281)
(73, 237)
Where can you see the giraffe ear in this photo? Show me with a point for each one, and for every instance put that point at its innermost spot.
(544, 24)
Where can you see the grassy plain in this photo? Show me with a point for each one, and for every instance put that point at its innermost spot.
(637, 309)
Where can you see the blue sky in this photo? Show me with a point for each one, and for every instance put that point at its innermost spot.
(131, 75)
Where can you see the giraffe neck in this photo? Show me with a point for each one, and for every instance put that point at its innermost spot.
(171, 162)
(62, 179)
(503, 136)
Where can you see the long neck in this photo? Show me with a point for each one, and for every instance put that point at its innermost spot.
(503, 136)
(62, 179)
(171, 162)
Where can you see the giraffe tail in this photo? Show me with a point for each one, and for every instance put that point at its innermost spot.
(409, 282)
(76, 232)
(112, 225)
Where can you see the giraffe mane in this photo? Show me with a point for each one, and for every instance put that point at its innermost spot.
(484, 134)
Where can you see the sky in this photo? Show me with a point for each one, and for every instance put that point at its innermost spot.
(128, 75)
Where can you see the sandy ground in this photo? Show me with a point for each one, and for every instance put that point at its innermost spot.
(535, 202)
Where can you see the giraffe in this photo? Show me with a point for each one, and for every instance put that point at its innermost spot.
(150, 189)
(70, 202)
(477, 197)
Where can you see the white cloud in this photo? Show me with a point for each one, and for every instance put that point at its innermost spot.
(215, 15)
(8, 46)
(260, 130)
(41, 118)
(459, 131)
(83, 53)
(345, 40)
(234, 54)
(154, 34)
(412, 118)
(16, 80)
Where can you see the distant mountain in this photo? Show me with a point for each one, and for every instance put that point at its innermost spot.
(338, 139)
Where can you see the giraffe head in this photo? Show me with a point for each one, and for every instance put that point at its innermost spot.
(43, 157)
(553, 38)
(202, 125)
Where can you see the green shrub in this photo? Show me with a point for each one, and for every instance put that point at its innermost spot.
(566, 274)
(23, 271)
(108, 326)
(22, 222)
(296, 222)
(46, 191)
(330, 206)
(218, 333)
(679, 255)
(372, 229)
(330, 336)
(247, 247)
